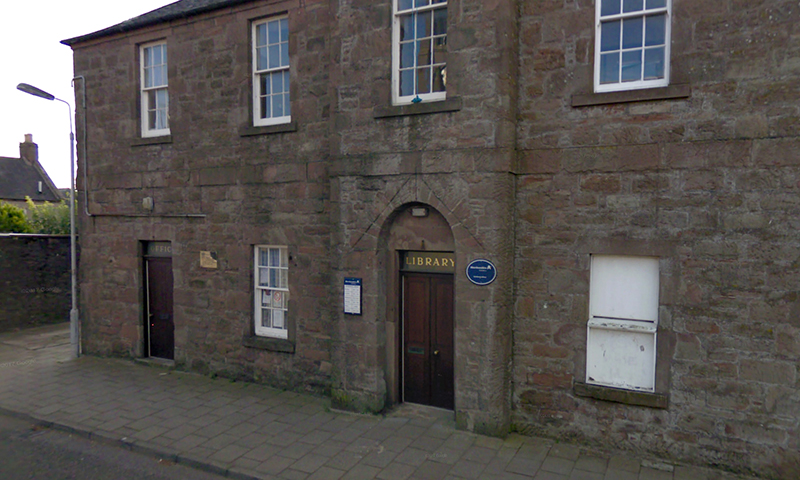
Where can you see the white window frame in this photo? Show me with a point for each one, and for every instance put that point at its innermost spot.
(145, 91)
(261, 290)
(639, 84)
(258, 73)
(397, 99)
(623, 322)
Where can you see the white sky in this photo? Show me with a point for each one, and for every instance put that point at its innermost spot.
(31, 52)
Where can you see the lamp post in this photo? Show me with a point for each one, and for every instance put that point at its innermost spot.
(73, 313)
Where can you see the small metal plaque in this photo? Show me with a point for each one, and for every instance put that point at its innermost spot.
(481, 272)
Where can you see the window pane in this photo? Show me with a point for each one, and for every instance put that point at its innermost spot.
(284, 278)
(274, 56)
(632, 5)
(423, 80)
(164, 53)
(273, 278)
(278, 319)
(632, 30)
(610, 36)
(404, 4)
(284, 30)
(156, 55)
(609, 68)
(439, 79)
(286, 83)
(407, 55)
(654, 63)
(263, 277)
(266, 107)
(277, 82)
(274, 257)
(440, 50)
(274, 32)
(162, 99)
(261, 58)
(406, 28)
(148, 77)
(261, 35)
(440, 21)
(264, 80)
(151, 120)
(407, 82)
(424, 26)
(148, 57)
(265, 320)
(277, 106)
(609, 7)
(263, 257)
(656, 3)
(631, 66)
(266, 298)
(655, 30)
(284, 55)
(424, 52)
(421, 3)
(287, 106)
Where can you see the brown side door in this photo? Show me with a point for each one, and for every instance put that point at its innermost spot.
(160, 325)
(428, 350)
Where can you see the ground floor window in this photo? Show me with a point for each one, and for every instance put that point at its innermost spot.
(623, 322)
(271, 291)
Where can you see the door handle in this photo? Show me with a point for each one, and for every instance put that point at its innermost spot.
(436, 352)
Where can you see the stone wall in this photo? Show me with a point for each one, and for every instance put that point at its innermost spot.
(709, 184)
(34, 280)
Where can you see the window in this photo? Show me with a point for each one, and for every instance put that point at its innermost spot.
(155, 98)
(419, 57)
(632, 44)
(271, 72)
(623, 311)
(271, 291)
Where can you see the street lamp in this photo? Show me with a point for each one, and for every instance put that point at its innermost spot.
(73, 313)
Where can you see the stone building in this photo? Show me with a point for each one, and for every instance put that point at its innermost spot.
(566, 218)
(24, 177)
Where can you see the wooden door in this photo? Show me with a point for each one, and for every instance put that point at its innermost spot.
(160, 325)
(428, 349)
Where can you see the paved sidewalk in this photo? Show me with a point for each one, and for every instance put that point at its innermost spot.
(250, 431)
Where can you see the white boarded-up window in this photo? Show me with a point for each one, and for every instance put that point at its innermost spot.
(623, 309)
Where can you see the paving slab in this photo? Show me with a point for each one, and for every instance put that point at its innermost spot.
(250, 431)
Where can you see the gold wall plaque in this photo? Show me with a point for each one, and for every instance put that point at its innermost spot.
(208, 259)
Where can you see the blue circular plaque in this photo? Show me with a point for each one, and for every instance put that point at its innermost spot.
(481, 272)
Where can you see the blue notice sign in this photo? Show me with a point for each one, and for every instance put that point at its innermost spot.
(481, 272)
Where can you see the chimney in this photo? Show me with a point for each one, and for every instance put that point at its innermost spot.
(28, 150)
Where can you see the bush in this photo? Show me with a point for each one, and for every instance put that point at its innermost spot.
(48, 218)
(12, 219)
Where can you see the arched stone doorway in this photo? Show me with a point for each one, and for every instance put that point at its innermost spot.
(418, 249)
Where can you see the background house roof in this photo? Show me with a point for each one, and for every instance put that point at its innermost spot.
(19, 178)
(173, 11)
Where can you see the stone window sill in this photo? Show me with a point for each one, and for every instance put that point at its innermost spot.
(619, 395)
(452, 104)
(144, 141)
(644, 95)
(269, 344)
(251, 131)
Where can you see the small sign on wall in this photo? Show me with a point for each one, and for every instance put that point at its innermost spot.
(208, 259)
(352, 296)
(481, 272)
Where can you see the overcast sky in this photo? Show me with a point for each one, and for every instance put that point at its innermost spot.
(31, 52)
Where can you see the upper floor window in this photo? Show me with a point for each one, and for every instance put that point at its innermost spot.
(271, 291)
(155, 97)
(632, 43)
(271, 72)
(419, 51)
